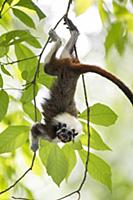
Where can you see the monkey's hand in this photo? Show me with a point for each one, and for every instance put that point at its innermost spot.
(53, 36)
(37, 131)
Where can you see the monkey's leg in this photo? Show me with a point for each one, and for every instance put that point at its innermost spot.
(38, 130)
(49, 66)
(67, 51)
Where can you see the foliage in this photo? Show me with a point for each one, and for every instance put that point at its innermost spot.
(23, 46)
(82, 5)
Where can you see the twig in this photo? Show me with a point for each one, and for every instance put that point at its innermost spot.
(68, 7)
(29, 169)
(88, 129)
(17, 61)
(34, 99)
(19, 198)
(2, 7)
(19, 89)
(70, 194)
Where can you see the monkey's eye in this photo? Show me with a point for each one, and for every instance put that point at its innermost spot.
(64, 125)
(63, 130)
(69, 133)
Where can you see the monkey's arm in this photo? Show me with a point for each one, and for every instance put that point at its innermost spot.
(50, 66)
(38, 130)
(83, 68)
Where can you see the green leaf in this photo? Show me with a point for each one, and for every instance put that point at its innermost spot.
(29, 4)
(103, 14)
(120, 11)
(4, 48)
(15, 37)
(4, 101)
(18, 36)
(76, 145)
(45, 148)
(27, 95)
(130, 24)
(1, 81)
(3, 51)
(81, 6)
(23, 17)
(4, 184)
(71, 158)
(117, 36)
(57, 165)
(5, 71)
(123, 2)
(15, 118)
(25, 75)
(98, 168)
(30, 111)
(9, 2)
(29, 65)
(123, 15)
(101, 114)
(96, 141)
(13, 137)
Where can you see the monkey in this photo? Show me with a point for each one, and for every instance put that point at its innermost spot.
(59, 111)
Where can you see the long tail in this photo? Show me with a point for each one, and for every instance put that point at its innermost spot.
(83, 68)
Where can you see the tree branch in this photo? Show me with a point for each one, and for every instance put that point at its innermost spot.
(19, 198)
(68, 8)
(17, 61)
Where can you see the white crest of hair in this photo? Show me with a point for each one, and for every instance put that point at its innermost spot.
(71, 121)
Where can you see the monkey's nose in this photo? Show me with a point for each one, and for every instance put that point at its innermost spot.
(64, 137)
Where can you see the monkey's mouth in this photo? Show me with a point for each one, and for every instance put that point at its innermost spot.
(65, 134)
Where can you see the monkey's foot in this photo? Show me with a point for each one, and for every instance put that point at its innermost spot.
(53, 36)
(70, 24)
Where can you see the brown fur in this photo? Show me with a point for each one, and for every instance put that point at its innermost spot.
(61, 93)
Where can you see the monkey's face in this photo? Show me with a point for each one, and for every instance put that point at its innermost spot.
(64, 133)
